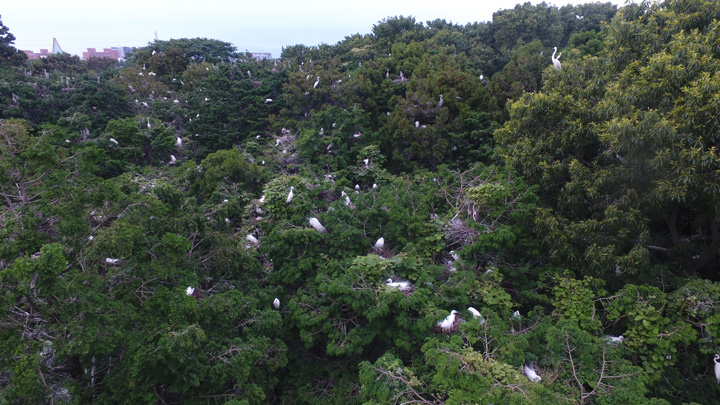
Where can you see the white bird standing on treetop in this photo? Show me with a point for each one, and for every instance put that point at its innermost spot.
(380, 243)
(475, 312)
(347, 199)
(178, 142)
(113, 141)
(516, 314)
(109, 260)
(317, 225)
(189, 291)
(529, 371)
(556, 61)
(316, 82)
(276, 303)
(290, 194)
(173, 159)
(717, 367)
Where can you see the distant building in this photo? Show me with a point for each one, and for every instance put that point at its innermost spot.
(261, 55)
(105, 53)
(123, 51)
(44, 53)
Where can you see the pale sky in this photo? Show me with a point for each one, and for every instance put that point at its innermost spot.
(257, 26)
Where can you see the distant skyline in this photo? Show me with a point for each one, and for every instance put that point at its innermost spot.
(261, 26)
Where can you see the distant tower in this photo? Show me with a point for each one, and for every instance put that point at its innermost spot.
(56, 47)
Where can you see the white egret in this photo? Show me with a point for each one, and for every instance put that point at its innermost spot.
(316, 82)
(474, 312)
(614, 340)
(374, 186)
(113, 141)
(189, 291)
(529, 371)
(449, 324)
(178, 142)
(176, 101)
(109, 260)
(440, 103)
(207, 99)
(417, 124)
(403, 286)
(357, 187)
(516, 314)
(252, 239)
(173, 159)
(556, 61)
(268, 100)
(148, 124)
(346, 198)
(717, 367)
(322, 131)
(380, 244)
(357, 134)
(276, 303)
(317, 225)
(290, 194)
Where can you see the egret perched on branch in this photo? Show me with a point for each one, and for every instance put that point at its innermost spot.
(380, 244)
(440, 103)
(113, 141)
(276, 303)
(317, 225)
(556, 61)
(450, 323)
(316, 82)
(529, 371)
(614, 340)
(112, 261)
(717, 367)
(189, 290)
(290, 194)
(474, 312)
(403, 286)
(346, 198)
(252, 239)
(178, 142)
(173, 159)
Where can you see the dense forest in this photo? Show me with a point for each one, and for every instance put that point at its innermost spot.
(430, 213)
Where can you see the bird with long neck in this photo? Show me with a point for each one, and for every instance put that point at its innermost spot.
(556, 61)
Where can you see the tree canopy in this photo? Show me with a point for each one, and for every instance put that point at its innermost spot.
(431, 213)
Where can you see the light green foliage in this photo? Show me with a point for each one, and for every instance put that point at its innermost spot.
(652, 334)
(575, 299)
